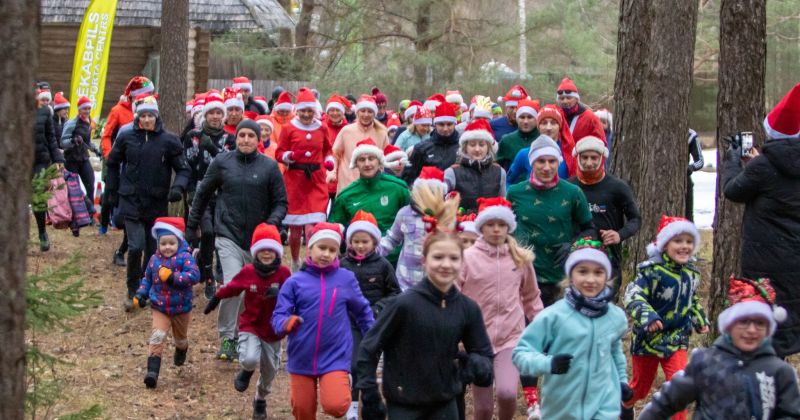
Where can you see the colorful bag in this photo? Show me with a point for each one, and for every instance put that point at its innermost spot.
(58, 209)
(77, 201)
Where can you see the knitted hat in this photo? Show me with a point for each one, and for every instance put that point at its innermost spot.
(394, 157)
(60, 102)
(325, 230)
(411, 109)
(284, 102)
(495, 208)
(366, 102)
(265, 120)
(567, 88)
(261, 100)
(434, 101)
(423, 116)
(266, 237)
(454, 97)
(432, 176)
(305, 100)
(363, 222)
(544, 146)
(214, 100)
(549, 111)
(751, 298)
(483, 107)
(784, 120)
(445, 113)
(586, 249)
(366, 147)
(590, 143)
(403, 105)
(233, 98)
(168, 226)
(466, 223)
(84, 102)
(478, 130)
(252, 125)
(527, 106)
(338, 102)
(242, 83)
(43, 94)
(668, 228)
(514, 95)
(605, 114)
(146, 103)
(139, 85)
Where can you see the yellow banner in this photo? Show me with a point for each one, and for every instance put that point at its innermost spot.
(90, 64)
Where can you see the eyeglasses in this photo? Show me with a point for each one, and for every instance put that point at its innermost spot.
(759, 323)
(564, 92)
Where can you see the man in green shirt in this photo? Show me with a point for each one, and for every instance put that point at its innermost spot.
(520, 138)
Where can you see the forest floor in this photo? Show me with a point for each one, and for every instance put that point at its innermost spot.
(106, 348)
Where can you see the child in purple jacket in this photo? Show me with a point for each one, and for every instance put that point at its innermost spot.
(314, 309)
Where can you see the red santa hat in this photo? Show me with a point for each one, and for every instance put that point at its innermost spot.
(466, 223)
(266, 238)
(325, 230)
(168, 226)
(668, 228)
(412, 109)
(60, 102)
(262, 100)
(423, 116)
(213, 100)
(199, 102)
(393, 121)
(366, 147)
(591, 144)
(514, 95)
(242, 83)
(233, 98)
(431, 176)
(284, 102)
(380, 98)
(84, 102)
(454, 97)
(587, 249)
(366, 102)
(250, 115)
(434, 101)
(338, 102)
(145, 103)
(139, 85)
(305, 99)
(265, 120)
(189, 105)
(605, 114)
(394, 157)
(495, 208)
(784, 120)
(363, 222)
(478, 130)
(445, 113)
(527, 106)
(43, 94)
(567, 88)
(751, 299)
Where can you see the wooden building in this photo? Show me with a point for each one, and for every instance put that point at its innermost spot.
(136, 41)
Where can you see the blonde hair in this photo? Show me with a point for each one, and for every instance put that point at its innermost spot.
(490, 153)
(519, 254)
(430, 201)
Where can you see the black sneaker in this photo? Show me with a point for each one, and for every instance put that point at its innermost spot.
(119, 259)
(242, 380)
(180, 356)
(259, 409)
(44, 242)
(210, 289)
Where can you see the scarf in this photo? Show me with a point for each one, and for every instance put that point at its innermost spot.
(207, 132)
(266, 270)
(594, 307)
(541, 186)
(325, 270)
(591, 178)
(359, 258)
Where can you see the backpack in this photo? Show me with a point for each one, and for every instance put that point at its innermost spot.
(58, 207)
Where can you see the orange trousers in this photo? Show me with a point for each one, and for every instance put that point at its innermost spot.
(645, 369)
(334, 394)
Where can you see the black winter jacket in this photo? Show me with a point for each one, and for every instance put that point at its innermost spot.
(418, 333)
(437, 151)
(76, 150)
(728, 384)
(475, 180)
(376, 278)
(46, 150)
(769, 186)
(250, 191)
(148, 158)
(198, 157)
(58, 126)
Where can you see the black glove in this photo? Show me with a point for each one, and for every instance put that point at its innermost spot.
(207, 144)
(142, 300)
(372, 407)
(273, 290)
(734, 151)
(78, 140)
(560, 363)
(175, 194)
(192, 235)
(627, 392)
(211, 305)
(561, 254)
(110, 199)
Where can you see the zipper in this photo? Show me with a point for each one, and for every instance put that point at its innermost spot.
(319, 322)
(333, 300)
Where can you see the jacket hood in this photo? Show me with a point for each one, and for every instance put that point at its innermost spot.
(431, 293)
(724, 343)
(159, 125)
(784, 154)
(491, 250)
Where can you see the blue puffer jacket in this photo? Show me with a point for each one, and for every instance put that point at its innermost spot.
(172, 299)
(325, 299)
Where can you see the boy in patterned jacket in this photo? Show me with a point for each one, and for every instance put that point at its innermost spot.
(664, 306)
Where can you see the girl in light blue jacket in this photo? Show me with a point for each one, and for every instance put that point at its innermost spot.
(575, 345)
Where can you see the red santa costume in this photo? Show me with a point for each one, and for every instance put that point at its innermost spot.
(581, 120)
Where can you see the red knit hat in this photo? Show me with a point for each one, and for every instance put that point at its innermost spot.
(168, 226)
(549, 111)
(367, 102)
(751, 298)
(445, 113)
(433, 177)
(380, 98)
(305, 99)
(60, 102)
(325, 230)
(568, 88)
(84, 102)
(495, 208)
(284, 102)
(784, 120)
(266, 237)
(394, 157)
(363, 222)
(366, 147)
(242, 83)
(668, 228)
(478, 129)
(514, 95)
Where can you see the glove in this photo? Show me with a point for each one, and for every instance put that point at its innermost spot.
(627, 392)
(480, 370)
(328, 164)
(211, 305)
(734, 151)
(175, 194)
(372, 407)
(560, 363)
(140, 301)
(165, 274)
(293, 322)
(111, 199)
(560, 257)
(192, 235)
(207, 144)
(78, 140)
(273, 290)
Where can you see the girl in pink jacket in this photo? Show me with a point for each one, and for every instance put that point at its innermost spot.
(498, 274)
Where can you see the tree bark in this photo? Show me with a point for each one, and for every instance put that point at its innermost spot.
(740, 107)
(421, 45)
(19, 30)
(652, 106)
(174, 64)
(285, 38)
(301, 34)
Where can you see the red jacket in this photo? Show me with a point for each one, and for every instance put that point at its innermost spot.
(257, 314)
(586, 124)
(119, 115)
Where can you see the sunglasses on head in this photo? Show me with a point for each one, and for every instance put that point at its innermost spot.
(564, 92)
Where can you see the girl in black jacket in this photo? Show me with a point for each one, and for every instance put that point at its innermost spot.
(76, 141)
(46, 153)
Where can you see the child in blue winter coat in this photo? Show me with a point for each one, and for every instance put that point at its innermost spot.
(575, 345)
(167, 284)
(314, 308)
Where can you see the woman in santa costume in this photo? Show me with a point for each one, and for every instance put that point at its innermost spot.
(305, 149)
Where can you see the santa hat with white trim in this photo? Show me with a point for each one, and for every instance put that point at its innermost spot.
(363, 221)
(84, 102)
(189, 105)
(366, 147)
(527, 106)
(325, 230)
(305, 99)
(423, 116)
(466, 223)
(284, 102)
(591, 144)
(411, 110)
(567, 86)
(605, 114)
(262, 100)
(367, 102)
(266, 120)
(587, 249)
(168, 226)
(514, 95)
(266, 237)
(784, 120)
(434, 101)
(139, 85)
(43, 94)
(495, 208)
(338, 102)
(431, 176)
(668, 228)
(199, 102)
(445, 113)
(242, 83)
(454, 97)
(751, 299)
(233, 98)
(478, 130)
(60, 102)
(394, 157)
(213, 100)
(544, 146)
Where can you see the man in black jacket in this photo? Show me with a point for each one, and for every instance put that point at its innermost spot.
(440, 150)
(250, 191)
(148, 155)
(46, 153)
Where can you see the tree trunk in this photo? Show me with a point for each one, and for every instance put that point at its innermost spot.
(174, 64)
(285, 38)
(301, 34)
(652, 112)
(740, 107)
(19, 30)
(421, 45)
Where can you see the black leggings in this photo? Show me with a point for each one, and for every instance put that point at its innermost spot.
(443, 411)
(84, 170)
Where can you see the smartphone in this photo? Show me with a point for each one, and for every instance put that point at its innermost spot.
(747, 142)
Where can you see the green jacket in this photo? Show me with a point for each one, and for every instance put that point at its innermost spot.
(382, 195)
(512, 143)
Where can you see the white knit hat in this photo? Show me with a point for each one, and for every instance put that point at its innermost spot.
(590, 143)
(587, 250)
